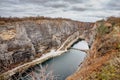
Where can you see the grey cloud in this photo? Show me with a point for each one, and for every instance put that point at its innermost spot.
(78, 9)
(57, 4)
(75, 1)
(113, 5)
(60, 8)
(45, 1)
(9, 2)
(34, 1)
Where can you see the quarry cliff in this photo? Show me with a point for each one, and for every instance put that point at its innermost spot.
(25, 39)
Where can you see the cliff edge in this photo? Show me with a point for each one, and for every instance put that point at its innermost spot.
(103, 60)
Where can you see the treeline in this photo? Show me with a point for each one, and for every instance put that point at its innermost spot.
(4, 20)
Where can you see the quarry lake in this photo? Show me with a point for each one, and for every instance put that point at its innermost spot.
(59, 67)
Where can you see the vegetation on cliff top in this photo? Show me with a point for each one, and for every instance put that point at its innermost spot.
(4, 20)
(109, 71)
(103, 62)
(108, 44)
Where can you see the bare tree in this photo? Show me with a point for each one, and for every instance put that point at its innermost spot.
(42, 75)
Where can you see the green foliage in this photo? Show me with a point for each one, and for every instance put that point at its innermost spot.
(102, 29)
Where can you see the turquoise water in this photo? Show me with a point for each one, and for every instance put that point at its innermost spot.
(59, 67)
(65, 64)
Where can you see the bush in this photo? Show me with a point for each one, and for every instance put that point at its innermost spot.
(102, 30)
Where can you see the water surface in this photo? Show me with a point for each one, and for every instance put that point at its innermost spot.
(63, 65)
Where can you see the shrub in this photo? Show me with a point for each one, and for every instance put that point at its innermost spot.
(102, 30)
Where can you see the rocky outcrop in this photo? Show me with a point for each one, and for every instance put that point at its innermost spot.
(104, 55)
(23, 40)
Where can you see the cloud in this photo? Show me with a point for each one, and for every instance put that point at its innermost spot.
(78, 9)
(113, 5)
(74, 9)
(75, 1)
(57, 4)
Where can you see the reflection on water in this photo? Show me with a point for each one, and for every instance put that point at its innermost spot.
(82, 45)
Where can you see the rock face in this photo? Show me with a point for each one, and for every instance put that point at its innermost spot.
(104, 55)
(22, 41)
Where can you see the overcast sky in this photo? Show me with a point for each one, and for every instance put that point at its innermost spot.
(82, 10)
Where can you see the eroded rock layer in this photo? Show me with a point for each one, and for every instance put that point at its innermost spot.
(22, 40)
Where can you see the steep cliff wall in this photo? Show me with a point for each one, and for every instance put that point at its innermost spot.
(103, 61)
(22, 40)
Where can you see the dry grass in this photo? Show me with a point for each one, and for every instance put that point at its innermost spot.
(109, 71)
(103, 61)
